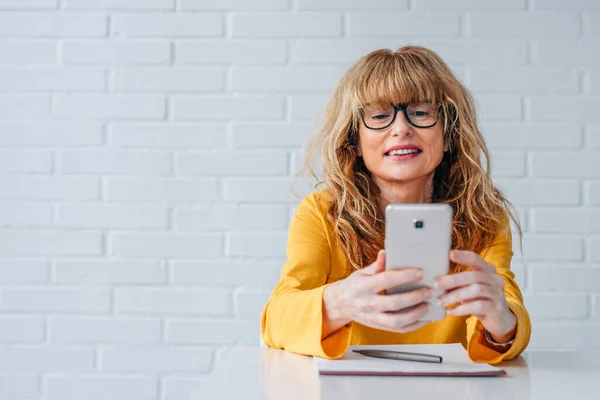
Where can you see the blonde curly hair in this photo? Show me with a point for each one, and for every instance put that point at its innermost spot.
(409, 74)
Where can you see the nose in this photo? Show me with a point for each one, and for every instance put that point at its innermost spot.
(401, 127)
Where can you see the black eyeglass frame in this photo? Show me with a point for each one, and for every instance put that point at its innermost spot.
(402, 107)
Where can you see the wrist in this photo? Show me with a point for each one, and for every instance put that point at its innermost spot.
(508, 332)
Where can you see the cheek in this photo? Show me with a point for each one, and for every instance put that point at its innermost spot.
(366, 145)
(371, 149)
(437, 147)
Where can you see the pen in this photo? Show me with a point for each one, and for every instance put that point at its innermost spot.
(400, 355)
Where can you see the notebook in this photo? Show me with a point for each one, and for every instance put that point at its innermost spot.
(455, 362)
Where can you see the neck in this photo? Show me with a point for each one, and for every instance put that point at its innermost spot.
(414, 191)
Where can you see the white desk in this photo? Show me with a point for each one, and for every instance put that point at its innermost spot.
(255, 373)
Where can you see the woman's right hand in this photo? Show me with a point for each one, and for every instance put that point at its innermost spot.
(359, 298)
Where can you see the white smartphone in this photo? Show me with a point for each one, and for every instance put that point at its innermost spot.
(419, 236)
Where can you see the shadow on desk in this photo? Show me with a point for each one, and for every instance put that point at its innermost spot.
(286, 376)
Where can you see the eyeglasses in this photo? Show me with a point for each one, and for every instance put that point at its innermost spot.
(419, 115)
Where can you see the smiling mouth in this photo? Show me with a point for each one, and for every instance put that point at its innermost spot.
(402, 152)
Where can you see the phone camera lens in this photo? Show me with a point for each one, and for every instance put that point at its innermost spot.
(418, 224)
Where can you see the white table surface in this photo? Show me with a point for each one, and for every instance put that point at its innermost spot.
(256, 373)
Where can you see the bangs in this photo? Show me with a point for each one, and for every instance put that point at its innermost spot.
(390, 78)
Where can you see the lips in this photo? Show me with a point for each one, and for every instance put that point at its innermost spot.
(403, 150)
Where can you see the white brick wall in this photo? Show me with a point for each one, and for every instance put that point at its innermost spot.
(147, 148)
(116, 52)
(233, 51)
(289, 25)
(119, 4)
(165, 25)
(403, 24)
(24, 106)
(20, 387)
(45, 24)
(29, 4)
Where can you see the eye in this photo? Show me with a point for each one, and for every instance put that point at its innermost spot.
(380, 116)
(420, 110)
(420, 113)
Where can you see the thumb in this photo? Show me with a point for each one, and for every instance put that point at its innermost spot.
(377, 266)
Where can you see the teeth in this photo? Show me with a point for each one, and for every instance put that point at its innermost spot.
(402, 152)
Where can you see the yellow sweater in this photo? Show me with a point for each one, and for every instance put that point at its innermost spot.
(293, 317)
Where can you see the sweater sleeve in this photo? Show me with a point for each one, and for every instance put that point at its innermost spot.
(500, 254)
(292, 319)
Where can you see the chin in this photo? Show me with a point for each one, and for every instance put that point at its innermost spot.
(399, 178)
(403, 174)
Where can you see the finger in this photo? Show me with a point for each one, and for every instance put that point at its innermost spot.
(470, 259)
(395, 277)
(468, 293)
(480, 307)
(377, 266)
(452, 281)
(399, 321)
(395, 302)
(380, 261)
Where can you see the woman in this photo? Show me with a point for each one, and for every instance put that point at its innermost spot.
(400, 128)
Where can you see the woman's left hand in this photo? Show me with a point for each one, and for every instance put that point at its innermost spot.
(479, 292)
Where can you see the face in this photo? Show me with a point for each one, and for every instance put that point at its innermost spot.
(401, 152)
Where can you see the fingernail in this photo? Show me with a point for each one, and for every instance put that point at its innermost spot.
(428, 294)
(439, 302)
(419, 274)
(451, 311)
(436, 285)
